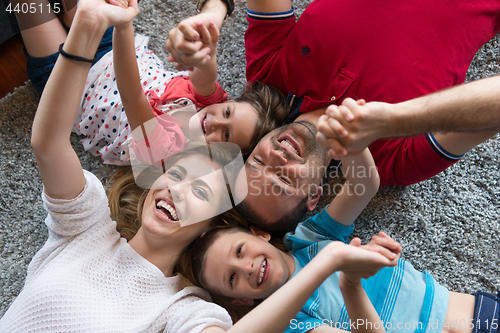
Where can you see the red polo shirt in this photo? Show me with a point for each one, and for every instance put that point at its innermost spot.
(391, 52)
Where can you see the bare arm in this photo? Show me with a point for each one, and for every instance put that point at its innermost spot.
(58, 164)
(358, 305)
(134, 100)
(269, 6)
(473, 106)
(204, 74)
(360, 309)
(469, 107)
(362, 182)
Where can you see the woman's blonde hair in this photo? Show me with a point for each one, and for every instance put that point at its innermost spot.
(126, 200)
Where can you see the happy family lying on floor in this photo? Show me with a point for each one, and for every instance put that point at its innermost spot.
(199, 214)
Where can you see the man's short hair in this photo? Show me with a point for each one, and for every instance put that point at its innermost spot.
(279, 228)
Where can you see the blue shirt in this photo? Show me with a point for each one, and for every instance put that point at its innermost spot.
(405, 299)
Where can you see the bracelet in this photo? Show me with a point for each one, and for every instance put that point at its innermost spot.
(74, 57)
(229, 4)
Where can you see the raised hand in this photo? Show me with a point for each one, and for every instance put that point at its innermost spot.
(357, 303)
(112, 13)
(385, 245)
(119, 3)
(382, 244)
(209, 36)
(349, 128)
(187, 43)
(355, 260)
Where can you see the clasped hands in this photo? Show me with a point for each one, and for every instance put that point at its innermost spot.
(356, 261)
(349, 128)
(106, 13)
(194, 41)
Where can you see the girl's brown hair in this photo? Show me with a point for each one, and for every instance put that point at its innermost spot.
(271, 109)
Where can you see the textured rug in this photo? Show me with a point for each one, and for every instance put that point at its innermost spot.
(448, 225)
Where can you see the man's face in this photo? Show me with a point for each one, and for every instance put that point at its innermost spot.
(284, 169)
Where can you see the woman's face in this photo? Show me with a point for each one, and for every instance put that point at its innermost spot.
(184, 199)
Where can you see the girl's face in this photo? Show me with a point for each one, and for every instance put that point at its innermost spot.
(184, 199)
(225, 122)
(240, 265)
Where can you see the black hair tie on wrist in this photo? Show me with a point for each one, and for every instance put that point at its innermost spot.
(229, 4)
(74, 57)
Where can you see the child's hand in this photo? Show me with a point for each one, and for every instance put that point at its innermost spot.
(119, 3)
(382, 244)
(210, 38)
(385, 245)
(112, 13)
(185, 42)
(360, 262)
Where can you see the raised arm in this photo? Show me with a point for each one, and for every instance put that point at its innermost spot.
(359, 307)
(357, 303)
(128, 81)
(185, 41)
(57, 162)
(469, 107)
(204, 74)
(474, 106)
(362, 182)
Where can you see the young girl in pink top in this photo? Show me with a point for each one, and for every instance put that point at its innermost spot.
(128, 86)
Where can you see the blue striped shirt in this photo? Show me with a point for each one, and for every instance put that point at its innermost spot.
(405, 299)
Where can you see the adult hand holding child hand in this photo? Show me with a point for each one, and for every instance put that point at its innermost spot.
(209, 36)
(107, 12)
(190, 43)
(349, 128)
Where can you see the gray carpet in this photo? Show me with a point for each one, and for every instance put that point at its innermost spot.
(448, 225)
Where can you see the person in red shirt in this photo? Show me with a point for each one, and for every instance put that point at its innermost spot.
(361, 50)
(394, 53)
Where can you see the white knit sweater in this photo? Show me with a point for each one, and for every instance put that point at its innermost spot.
(88, 279)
